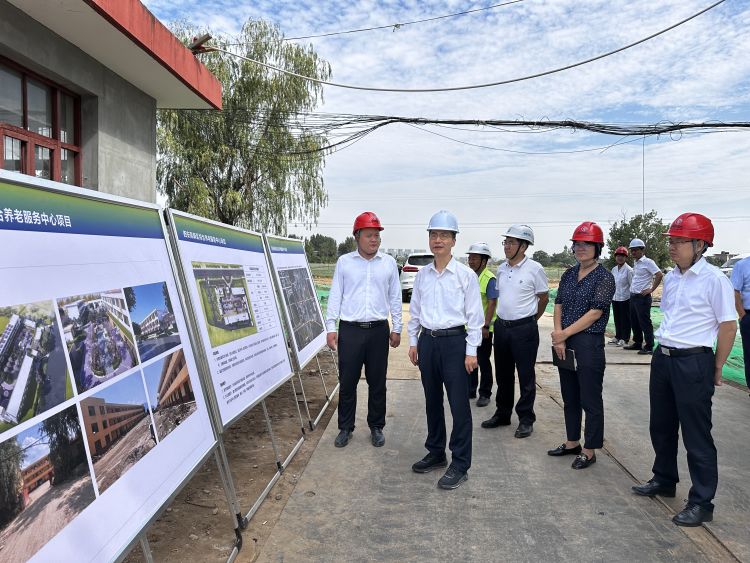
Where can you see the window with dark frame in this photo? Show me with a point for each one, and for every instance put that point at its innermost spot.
(39, 126)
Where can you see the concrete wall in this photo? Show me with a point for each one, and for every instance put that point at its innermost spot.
(118, 121)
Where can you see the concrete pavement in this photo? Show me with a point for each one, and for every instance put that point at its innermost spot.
(364, 503)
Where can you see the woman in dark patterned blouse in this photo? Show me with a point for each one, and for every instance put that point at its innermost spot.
(581, 315)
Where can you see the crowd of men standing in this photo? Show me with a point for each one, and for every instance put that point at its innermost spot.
(459, 314)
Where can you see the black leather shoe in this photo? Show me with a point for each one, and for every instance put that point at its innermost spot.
(343, 438)
(562, 450)
(496, 421)
(582, 461)
(693, 515)
(428, 463)
(653, 488)
(632, 346)
(473, 395)
(645, 352)
(483, 401)
(524, 430)
(378, 440)
(452, 478)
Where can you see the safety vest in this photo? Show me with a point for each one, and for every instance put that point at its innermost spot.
(484, 279)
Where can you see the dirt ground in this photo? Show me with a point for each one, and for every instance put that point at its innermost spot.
(197, 525)
(123, 455)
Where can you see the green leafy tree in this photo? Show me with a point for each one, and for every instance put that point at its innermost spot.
(542, 257)
(11, 481)
(321, 249)
(349, 245)
(248, 165)
(647, 227)
(167, 299)
(66, 450)
(130, 298)
(564, 258)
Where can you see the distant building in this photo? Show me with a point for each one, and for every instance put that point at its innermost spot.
(174, 383)
(9, 336)
(157, 320)
(73, 310)
(105, 423)
(114, 302)
(36, 474)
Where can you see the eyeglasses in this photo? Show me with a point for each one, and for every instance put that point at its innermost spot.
(441, 235)
(510, 243)
(675, 242)
(582, 244)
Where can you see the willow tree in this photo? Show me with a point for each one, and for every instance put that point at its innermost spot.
(251, 164)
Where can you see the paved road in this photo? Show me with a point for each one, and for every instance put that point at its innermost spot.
(53, 392)
(154, 346)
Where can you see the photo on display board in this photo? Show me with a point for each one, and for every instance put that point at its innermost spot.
(170, 392)
(98, 337)
(118, 428)
(302, 305)
(33, 373)
(44, 484)
(153, 319)
(225, 301)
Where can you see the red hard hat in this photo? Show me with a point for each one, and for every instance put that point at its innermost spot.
(692, 226)
(588, 231)
(367, 220)
(621, 250)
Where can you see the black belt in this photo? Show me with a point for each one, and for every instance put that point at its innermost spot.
(677, 352)
(453, 331)
(368, 324)
(517, 322)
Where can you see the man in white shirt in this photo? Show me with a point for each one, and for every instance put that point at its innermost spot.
(365, 289)
(646, 278)
(523, 293)
(445, 330)
(623, 275)
(698, 307)
(741, 284)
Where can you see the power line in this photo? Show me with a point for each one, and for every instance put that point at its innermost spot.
(473, 86)
(396, 26)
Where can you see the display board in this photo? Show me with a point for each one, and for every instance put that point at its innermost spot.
(231, 292)
(102, 414)
(301, 306)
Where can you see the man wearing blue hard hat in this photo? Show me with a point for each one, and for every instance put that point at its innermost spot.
(445, 330)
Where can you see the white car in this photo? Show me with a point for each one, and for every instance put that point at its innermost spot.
(727, 266)
(413, 264)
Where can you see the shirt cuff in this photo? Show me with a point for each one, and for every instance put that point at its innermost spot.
(397, 329)
(330, 325)
(412, 340)
(471, 350)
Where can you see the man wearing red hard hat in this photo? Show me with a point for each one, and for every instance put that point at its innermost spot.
(698, 308)
(365, 289)
(623, 274)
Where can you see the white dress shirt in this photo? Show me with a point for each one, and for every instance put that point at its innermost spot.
(364, 290)
(694, 304)
(623, 278)
(518, 287)
(447, 299)
(643, 274)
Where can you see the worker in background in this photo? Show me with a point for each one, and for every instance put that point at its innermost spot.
(623, 274)
(365, 289)
(698, 308)
(445, 331)
(646, 278)
(741, 284)
(523, 294)
(479, 255)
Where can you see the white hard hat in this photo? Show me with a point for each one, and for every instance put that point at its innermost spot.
(480, 248)
(521, 232)
(637, 243)
(443, 221)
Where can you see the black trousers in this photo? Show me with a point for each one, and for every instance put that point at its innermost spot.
(359, 347)
(621, 313)
(582, 390)
(515, 350)
(680, 392)
(640, 320)
(745, 334)
(484, 354)
(441, 363)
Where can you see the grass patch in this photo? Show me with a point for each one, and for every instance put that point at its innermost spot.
(5, 426)
(68, 386)
(3, 322)
(218, 336)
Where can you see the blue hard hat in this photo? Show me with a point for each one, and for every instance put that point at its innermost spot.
(443, 221)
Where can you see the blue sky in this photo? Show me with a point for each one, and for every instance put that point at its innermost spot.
(126, 391)
(31, 436)
(147, 298)
(699, 71)
(152, 373)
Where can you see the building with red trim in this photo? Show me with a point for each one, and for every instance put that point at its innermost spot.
(80, 83)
